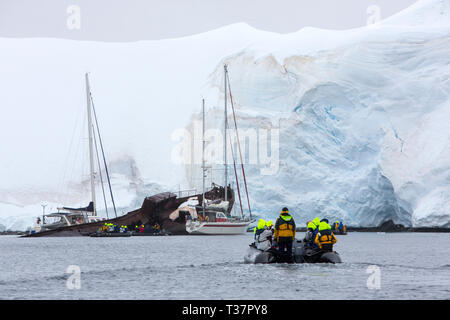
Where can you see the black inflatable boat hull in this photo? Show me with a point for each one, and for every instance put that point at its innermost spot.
(110, 235)
(300, 255)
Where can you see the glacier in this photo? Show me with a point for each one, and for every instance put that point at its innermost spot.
(362, 117)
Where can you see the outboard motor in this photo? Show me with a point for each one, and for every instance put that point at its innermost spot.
(298, 251)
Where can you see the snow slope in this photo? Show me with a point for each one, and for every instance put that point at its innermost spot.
(362, 117)
(143, 92)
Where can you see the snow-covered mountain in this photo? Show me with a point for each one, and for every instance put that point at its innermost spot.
(360, 117)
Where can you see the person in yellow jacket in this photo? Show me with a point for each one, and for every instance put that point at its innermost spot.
(316, 221)
(285, 231)
(264, 239)
(311, 229)
(325, 239)
(336, 226)
(259, 228)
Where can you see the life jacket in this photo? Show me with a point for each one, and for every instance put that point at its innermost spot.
(325, 238)
(285, 227)
(314, 234)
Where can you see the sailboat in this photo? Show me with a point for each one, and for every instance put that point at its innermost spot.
(66, 216)
(212, 217)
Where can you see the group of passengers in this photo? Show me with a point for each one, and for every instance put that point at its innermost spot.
(281, 235)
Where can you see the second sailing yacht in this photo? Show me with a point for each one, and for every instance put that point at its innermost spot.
(213, 218)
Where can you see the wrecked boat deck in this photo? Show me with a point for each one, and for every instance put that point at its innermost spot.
(154, 209)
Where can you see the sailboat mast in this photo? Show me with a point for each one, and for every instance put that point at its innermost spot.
(225, 136)
(203, 156)
(91, 142)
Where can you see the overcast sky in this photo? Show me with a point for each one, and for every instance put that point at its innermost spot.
(130, 20)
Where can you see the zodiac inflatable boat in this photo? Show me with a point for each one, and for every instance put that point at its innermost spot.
(300, 254)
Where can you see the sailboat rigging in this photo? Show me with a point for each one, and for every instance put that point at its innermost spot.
(104, 158)
(212, 221)
(67, 216)
(238, 141)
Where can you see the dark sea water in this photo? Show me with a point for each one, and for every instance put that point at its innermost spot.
(375, 266)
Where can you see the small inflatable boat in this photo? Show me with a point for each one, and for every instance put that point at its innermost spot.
(300, 254)
(110, 234)
(150, 234)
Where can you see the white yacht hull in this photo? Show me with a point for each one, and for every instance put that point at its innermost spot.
(217, 228)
